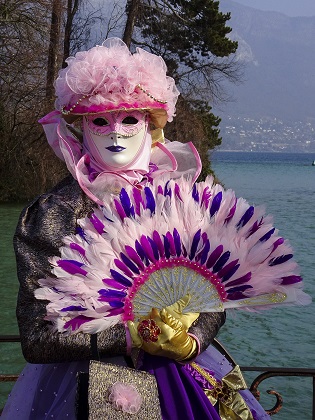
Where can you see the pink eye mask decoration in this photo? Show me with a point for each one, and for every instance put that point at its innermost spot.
(124, 123)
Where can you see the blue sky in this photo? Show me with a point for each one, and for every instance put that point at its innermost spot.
(288, 7)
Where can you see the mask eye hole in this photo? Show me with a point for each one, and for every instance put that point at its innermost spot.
(100, 122)
(130, 120)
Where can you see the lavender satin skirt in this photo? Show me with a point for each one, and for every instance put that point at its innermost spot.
(48, 391)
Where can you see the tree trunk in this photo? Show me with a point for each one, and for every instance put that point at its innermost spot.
(72, 8)
(53, 47)
(132, 9)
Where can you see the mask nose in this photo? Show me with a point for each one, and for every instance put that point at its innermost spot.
(115, 137)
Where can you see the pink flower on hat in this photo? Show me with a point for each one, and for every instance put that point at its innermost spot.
(109, 77)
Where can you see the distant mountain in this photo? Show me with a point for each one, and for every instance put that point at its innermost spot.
(278, 53)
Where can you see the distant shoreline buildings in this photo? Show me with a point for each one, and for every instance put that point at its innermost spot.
(246, 134)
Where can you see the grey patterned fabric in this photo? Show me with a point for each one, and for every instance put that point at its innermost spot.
(206, 328)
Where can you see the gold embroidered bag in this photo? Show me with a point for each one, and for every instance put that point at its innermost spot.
(111, 386)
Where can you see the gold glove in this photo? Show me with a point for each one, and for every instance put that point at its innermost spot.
(176, 310)
(180, 346)
(136, 339)
(163, 335)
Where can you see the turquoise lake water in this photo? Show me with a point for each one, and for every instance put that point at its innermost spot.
(283, 337)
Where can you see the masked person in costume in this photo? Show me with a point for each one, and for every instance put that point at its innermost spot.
(111, 108)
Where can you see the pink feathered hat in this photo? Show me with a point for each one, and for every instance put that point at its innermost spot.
(109, 78)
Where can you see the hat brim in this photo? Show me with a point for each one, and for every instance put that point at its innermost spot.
(158, 116)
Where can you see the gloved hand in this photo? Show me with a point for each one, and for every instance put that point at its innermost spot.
(169, 337)
(176, 310)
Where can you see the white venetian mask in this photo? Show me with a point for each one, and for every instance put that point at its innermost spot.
(115, 139)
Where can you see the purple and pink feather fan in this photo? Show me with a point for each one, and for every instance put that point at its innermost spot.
(150, 247)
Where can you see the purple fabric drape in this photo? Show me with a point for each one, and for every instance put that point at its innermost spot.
(180, 395)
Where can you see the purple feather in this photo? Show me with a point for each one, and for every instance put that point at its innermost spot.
(241, 280)
(116, 304)
(205, 252)
(221, 261)
(113, 283)
(184, 251)
(246, 217)
(81, 233)
(76, 322)
(170, 239)
(75, 262)
(228, 268)
(228, 275)
(117, 294)
(119, 209)
(231, 212)
(160, 190)
(129, 263)
(177, 242)
(126, 203)
(205, 198)
(77, 247)
(149, 199)
(98, 225)
(73, 308)
(120, 278)
(167, 191)
(167, 247)
(239, 288)
(157, 239)
(216, 203)
(277, 243)
(267, 235)
(195, 244)
(107, 299)
(141, 253)
(204, 237)
(147, 248)
(257, 225)
(137, 199)
(114, 312)
(280, 260)
(195, 193)
(291, 280)
(177, 192)
(119, 264)
(154, 247)
(72, 267)
(214, 256)
(237, 296)
(134, 256)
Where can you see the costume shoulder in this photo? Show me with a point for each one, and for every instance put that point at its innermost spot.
(54, 213)
(44, 223)
(67, 193)
(39, 235)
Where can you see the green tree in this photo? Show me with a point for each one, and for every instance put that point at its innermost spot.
(187, 33)
(192, 37)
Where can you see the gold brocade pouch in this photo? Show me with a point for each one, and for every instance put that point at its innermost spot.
(109, 391)
(118, 392)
